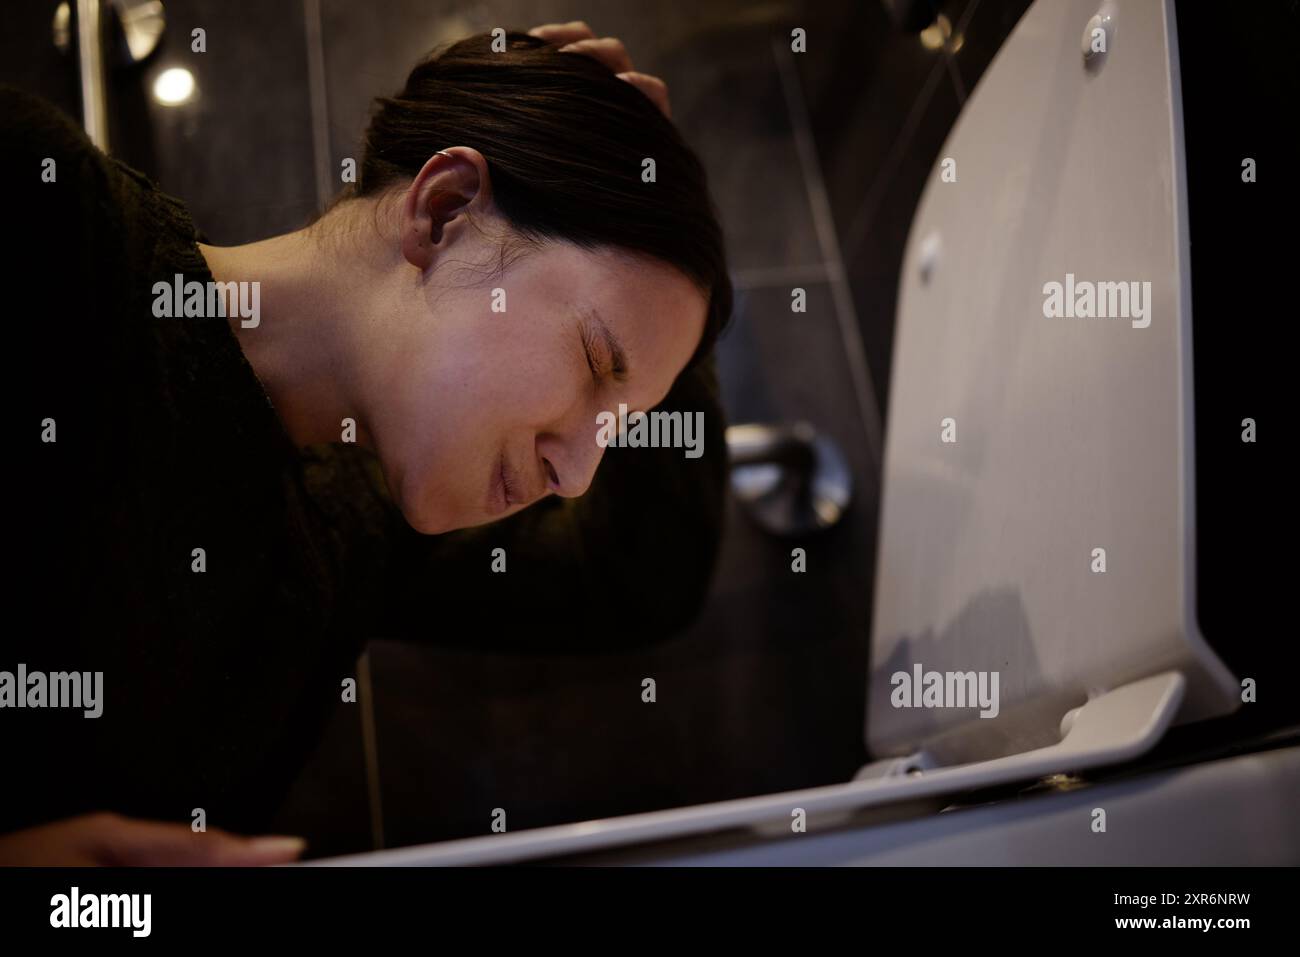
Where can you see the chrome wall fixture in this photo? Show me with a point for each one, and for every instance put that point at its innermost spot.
(134, 27)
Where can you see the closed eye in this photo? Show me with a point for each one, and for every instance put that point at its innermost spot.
(612, 355)
(589, 348)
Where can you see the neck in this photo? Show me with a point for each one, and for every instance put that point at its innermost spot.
(299, 348)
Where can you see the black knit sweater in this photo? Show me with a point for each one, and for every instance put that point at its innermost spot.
(216, 684)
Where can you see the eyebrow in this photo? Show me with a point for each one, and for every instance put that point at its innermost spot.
(617, 354)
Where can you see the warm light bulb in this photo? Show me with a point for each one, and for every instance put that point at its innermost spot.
(174, 87)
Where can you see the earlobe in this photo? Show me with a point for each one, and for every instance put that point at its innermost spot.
(416, 247)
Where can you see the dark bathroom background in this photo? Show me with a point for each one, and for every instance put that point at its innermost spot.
(817, 161)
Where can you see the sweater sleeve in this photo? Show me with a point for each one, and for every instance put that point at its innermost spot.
(626, 564)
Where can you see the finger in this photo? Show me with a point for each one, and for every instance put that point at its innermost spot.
(607, 50)
(150, 843)
(653, 87)
(562, 32)
(261, 851)
(48, 845)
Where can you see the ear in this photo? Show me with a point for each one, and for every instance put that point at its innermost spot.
(452, 183)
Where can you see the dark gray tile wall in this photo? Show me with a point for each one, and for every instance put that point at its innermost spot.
(765, 691)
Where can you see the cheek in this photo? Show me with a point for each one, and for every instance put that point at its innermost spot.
(494, 377)
(512, 373)
(484, 381)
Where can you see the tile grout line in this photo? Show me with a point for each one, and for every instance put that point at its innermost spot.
(311, 15)
(966, 15)
(867, 209)
(316, 91)
(824, 224)
(767, 276)
(866, 212)
(960, 31)
(958, 87)
(370, 746)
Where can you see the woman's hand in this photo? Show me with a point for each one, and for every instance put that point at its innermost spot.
(578, 38)
(115, 841)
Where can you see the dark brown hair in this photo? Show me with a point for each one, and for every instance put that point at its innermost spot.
(564, 141)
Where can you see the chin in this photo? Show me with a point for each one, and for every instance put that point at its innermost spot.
(413, 503)
(428, 526)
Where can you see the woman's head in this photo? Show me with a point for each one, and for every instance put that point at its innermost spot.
(543, 271)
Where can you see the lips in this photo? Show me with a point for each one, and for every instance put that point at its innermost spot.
(505, 483)
(499, 499)
(508, 488)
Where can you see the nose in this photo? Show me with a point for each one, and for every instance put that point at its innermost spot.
(569, 459)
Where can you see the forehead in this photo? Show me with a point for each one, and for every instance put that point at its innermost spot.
(656, 313)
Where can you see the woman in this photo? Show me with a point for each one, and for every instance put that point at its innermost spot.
(223, 509)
